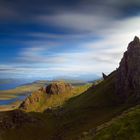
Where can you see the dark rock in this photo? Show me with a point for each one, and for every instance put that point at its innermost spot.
(48, 110)
(58, 88)
(104, 76)
(128, 73)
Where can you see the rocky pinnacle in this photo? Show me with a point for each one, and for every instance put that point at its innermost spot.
(128, 73)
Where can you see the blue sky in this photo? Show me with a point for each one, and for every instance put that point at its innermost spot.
(51, 38)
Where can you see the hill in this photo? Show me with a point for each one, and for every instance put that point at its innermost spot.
(52, 96)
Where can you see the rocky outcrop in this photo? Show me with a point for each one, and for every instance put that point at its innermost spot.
(33, 101)
(104, 76)
(128, 73)
(58, 88)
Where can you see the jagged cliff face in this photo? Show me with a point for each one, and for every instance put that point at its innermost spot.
(128, 73)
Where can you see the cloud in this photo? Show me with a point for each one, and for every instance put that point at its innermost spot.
(69, 37)
(39, 54)
(28, 10)
(75, 21)
(91, 57)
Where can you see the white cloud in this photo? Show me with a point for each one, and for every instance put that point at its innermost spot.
(76, 21)
(95, 56)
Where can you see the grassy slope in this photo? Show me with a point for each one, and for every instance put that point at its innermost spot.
(89, 109)
(79, 114)
(124, 127)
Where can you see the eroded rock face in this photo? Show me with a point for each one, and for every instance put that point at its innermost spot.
(58, 88)
(32, 99)
(128, 73)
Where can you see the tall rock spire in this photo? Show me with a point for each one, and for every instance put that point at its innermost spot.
(135, 43)
(128, 73)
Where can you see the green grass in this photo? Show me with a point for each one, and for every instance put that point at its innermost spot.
(126, 127)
